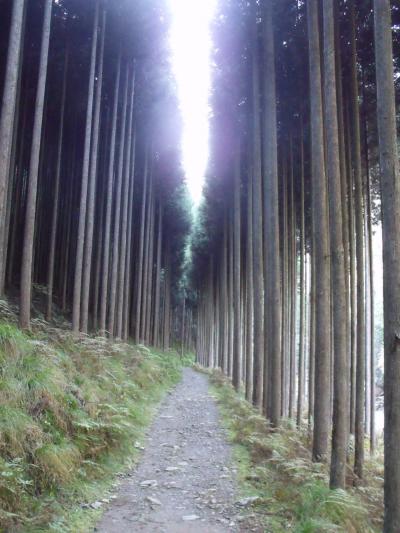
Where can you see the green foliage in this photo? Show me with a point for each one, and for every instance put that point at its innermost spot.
(293, 492)
(71, 412)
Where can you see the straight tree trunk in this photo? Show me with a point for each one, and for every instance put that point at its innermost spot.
(258, 300)
(249, 294)
(129, 269)
(272, 303)
(140, 257)
(90, 212)
(156, 326)
(8, 110)
(122, 287)
(54, 220)
(76, 306)
(301, 377)
(237, 330)
(390, 179)
(30, 217)
(340, 378)
(321, 249)
(359, 223)
(117, 212)
(109, 203)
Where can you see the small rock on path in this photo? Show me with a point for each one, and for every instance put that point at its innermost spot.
(185, 482)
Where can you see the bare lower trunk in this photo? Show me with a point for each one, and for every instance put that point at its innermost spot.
(390, 178)
(30, 217)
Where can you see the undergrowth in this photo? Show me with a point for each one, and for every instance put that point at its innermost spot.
(72, 413)
(292, 491)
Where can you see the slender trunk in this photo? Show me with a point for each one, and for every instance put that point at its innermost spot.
(76, 307)
(128, 268)
(156, 328)
(54, 220)
(140, 256)
(88, 247)
(237, 341)
(390, 179)
(109, 200)
(249, 294)
(301, 377)
(359, 223)
(122, 288)
(321, 249)
(339, 303)
(272, 304)
(117, 214)
(8, 110)
(30, 217)
(258, 300)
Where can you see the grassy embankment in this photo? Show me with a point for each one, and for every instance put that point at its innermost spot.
(292, 491)
(72, 416)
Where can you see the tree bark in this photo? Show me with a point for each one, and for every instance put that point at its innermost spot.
(390, 179)
(321, 249)
(237, 330)
(90, 213)
(117, 212)
(30, 217)
(76, 306)
(7, 121)
(359, 223)
(258, 300)
(339, 303)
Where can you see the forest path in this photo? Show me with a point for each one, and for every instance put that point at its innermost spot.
(185, 481)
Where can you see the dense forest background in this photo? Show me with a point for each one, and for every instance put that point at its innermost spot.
(277, 279)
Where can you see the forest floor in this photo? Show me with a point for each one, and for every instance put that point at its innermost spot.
(186, 480)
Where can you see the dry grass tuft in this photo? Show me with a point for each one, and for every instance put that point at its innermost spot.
(70, 413)
(275, 464)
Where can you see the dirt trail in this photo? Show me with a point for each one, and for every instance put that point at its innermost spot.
(185, 481)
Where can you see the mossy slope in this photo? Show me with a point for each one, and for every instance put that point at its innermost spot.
(71, 414)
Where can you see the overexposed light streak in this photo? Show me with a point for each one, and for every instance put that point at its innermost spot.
(191, 57)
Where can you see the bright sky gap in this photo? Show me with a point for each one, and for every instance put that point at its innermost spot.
(191, 45)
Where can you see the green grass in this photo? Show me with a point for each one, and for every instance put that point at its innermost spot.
(72, 416)
(293, 492)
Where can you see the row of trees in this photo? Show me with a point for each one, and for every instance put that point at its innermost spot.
(283, 249)
(92, 201)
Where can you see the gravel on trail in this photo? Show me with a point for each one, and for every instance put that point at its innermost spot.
(185, 480)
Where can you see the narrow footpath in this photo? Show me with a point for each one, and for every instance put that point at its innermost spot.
(185, 480)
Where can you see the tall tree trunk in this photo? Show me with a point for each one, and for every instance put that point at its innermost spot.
(139, 285)
(156, 326)
(293, 290)
(237, 340)
(258, 300)
(321, 249)
(249, 294)
(30, 217)
(117, 212)
(90, 214)
(8, 110)
(301, 365)
(76, 306)
(109, 203)
(390, 179)
(339, 303)
(359, 223)
(272, 304)
(122, 288)
(54, 220)
(129, 269)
